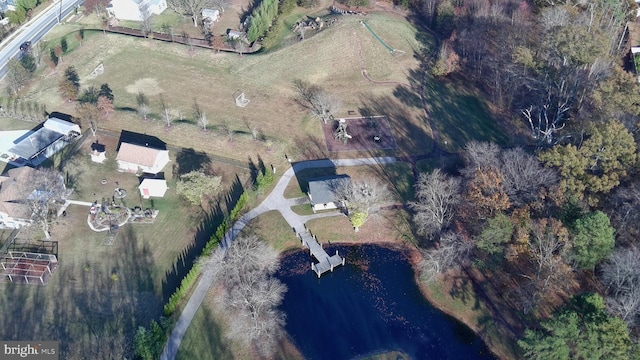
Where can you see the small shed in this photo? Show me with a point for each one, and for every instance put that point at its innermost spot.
(98, 153)
(210, 15)
(235, 35)
(153, 188)
(322, 191)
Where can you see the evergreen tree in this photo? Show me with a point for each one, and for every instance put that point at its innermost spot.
(593, 239)
(583, 330)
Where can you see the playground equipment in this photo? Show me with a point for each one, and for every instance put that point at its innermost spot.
(391, 50)
(340, 133)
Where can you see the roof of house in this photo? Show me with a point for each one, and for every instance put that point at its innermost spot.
(322, 190)
(97, 147)
(10, 192)
(136, 154)
(61, 126)
(153, 184)
(141, 140)
(37, 141)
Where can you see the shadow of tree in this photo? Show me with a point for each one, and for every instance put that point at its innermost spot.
(188, 160)
(210, 339)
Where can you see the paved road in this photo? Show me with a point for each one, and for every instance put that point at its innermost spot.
(275, 201)
(34, 30)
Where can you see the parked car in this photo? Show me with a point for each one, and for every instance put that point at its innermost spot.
(25, 46)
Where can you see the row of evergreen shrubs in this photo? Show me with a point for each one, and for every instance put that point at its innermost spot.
(263, 180)
(213, 242)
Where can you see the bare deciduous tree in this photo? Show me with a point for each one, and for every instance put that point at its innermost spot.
(167, 116)
(226, 128)
(146, 16)
(621, 275)
(523, 175)
(143, 105)
(193, 8)
(437, 194)
(17, 77)
(548, 248)
(314, 98)
(89, 114)
(200, 115)
(252, 294)
(44, 193)
(452, 251)
(253, 128)
(360, 198)
(480, 155)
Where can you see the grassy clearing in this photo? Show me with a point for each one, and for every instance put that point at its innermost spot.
(7, 124)
(330, 59)
(460, 116)
(455, 295)
(384, 226)
(273, 229)
(302, 209)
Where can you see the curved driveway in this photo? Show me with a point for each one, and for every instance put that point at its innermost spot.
(275, 201)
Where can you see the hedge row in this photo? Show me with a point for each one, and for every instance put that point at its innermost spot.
(181, 291)
(263, 180)
(215, 239)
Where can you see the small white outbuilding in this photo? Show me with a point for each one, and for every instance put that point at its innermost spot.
(153, 188)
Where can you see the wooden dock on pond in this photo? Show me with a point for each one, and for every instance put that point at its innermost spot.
(325, 262)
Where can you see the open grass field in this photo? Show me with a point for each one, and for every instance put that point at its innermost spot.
(332, 59)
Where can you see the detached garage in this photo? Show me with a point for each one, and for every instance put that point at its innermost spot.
(153, 188)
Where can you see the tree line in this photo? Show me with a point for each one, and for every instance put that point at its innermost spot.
(536, 231)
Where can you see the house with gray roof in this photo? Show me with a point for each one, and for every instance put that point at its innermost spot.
(323, 191)
(36, 146)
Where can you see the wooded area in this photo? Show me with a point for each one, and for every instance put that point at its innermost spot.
(553, 230)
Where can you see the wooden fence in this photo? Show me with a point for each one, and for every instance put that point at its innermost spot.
(216, 42)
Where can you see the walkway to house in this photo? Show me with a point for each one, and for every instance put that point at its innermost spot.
(72, 202)
(275, 201)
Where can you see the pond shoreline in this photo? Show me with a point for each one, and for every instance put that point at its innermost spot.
(413, 256)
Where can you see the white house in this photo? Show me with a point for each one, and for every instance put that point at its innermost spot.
(14, 213)
(136, 158)
(44, 142)
(153, 188)
(135, 10)
(322, 191)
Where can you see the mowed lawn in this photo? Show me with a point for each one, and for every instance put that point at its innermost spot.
(101, 293)
(332, 59)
